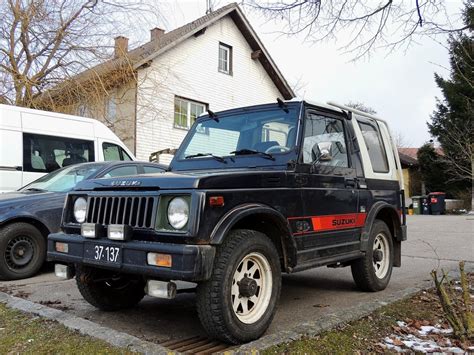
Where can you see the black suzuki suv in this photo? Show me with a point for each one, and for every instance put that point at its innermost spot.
(251, 193)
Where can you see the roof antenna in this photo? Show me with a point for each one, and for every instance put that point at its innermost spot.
(282, 105)
(209, 6)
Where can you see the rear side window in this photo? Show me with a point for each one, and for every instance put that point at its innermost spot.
(152, 170)
(114, 152)
(47, 153)
(122, 171)
(375, 147)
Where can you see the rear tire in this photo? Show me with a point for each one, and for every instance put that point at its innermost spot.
(107, 290)
(373, 271)
(22, 251)
(239, 301)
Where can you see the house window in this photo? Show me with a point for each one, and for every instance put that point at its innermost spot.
(225, 58)
(186, 112)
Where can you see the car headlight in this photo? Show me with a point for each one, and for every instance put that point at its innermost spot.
(178, 213)
(80, 207)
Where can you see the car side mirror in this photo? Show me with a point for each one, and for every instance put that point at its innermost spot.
(325, 151)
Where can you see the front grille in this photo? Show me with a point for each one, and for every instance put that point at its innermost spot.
(135, 211)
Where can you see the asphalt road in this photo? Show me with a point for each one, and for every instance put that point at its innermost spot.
(433, 241)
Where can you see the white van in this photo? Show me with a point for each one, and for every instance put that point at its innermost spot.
(34, 142)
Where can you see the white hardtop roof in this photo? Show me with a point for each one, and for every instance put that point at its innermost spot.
(331, 105)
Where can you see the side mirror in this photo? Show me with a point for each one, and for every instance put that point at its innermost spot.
(325, 151)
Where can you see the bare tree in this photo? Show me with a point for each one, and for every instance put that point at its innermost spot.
(362, 26)
(361, 107)
(47, 42)
(401, 141)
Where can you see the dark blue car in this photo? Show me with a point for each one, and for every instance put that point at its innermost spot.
(28, 215)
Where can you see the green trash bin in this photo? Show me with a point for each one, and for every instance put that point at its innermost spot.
(416, 204)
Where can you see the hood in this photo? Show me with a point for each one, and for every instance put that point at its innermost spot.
(27, 197)
(202, 179)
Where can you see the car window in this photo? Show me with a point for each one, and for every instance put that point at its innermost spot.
(324, 142)
(375, 148)
(64, 179)
(114, 152)
(47, 153)
(122, 171)
(152, 169)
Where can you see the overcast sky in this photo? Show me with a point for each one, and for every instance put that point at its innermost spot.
(399, 86)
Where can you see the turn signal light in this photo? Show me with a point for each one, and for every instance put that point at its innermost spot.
(156, 259)
(216, 201)
(62, 247)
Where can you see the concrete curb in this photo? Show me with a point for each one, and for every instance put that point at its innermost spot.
(330, 321)
(84, 326)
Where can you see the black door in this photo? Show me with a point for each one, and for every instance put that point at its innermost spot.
(330, 224)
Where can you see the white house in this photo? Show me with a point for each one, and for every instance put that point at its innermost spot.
(151, 95)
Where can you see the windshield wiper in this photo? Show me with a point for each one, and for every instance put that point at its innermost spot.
(216, 157)
(246, 151)
(35, 189)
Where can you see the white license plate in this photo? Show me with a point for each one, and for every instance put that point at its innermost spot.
(103, 253)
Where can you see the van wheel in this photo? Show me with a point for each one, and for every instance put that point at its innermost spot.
(107, 290)
(373, 271)
(239, 301)
(22, 251)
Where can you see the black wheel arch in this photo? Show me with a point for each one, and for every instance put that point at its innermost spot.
(264, 219)
(388, 214)
(44, 230)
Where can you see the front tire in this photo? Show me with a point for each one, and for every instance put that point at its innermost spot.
(22, 251)
(239, 301)
(373, 271)
(107, 290)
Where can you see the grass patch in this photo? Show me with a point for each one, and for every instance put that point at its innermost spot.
(364, 334)
(24, 333)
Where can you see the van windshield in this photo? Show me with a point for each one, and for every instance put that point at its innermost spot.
(65, 179)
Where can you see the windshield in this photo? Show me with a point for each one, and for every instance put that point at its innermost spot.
(263, 133)
(64, 179)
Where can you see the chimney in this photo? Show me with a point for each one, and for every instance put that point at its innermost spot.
(121, 46)
(156, 33)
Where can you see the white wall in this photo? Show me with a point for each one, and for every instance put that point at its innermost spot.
(190, 70)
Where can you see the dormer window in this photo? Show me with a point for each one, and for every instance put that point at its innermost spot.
(225, 58)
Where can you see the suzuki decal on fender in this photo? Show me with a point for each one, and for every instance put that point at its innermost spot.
(327, 222)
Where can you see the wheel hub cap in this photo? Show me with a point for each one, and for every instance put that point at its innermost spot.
(19, 252)
(247, 287)
(378, 255)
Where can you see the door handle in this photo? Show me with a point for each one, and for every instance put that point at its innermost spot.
(350, 182)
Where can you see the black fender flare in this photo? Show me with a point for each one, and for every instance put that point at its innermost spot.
(398, 234)
(376, 208)
(229, 220)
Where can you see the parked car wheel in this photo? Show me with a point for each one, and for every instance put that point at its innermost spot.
(107, 290)
(239, 301)
(373, 271)
(22, 251)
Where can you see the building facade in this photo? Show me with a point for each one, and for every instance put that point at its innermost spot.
(151, 95)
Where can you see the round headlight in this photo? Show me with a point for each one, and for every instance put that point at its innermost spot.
(80, 206)
(178, 212)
